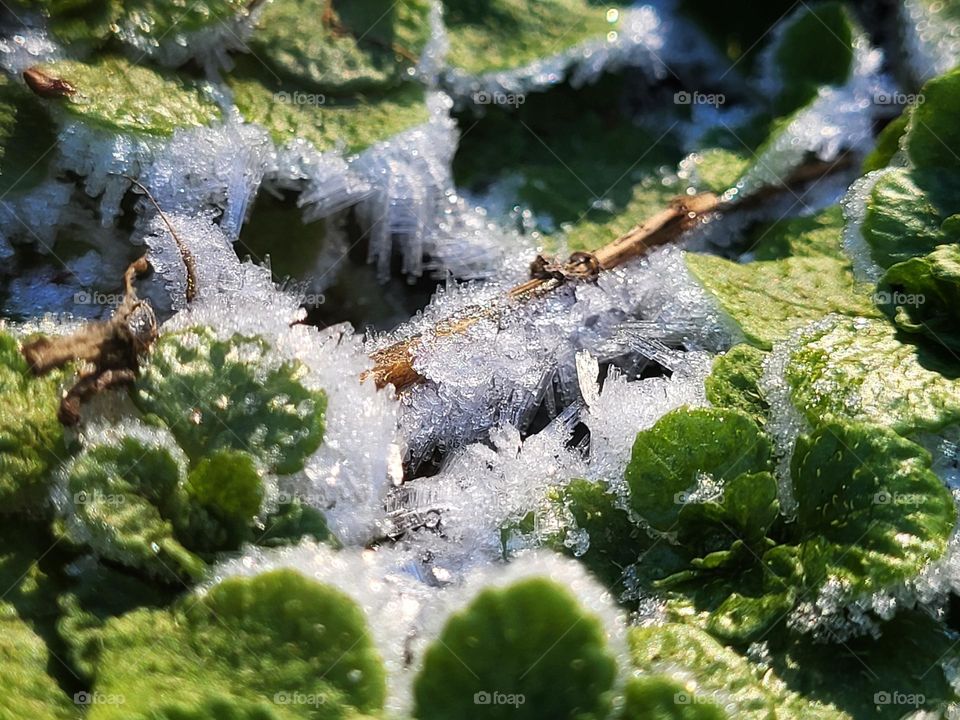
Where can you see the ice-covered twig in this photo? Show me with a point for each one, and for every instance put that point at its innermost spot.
(394, 364)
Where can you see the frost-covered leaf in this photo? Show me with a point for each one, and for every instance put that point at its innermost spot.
(734, 381)
(871, 511)
(615, 541)
(125, 499)
(859, 369)
(718, 169)
(905, 669)
(27, 692)
(495, 35)
(769, 298)
(712, 673)
(901, 221)
(276, 646)
(343, 45)
(908, 209)
(113, 94)
(815, 49)
(922, 295)
(689, 456)
(215, 394)
(31, 436)
(530, 640)
(331, 122)
(27, 139)
(87, 24)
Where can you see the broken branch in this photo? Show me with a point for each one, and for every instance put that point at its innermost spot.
(394, 364)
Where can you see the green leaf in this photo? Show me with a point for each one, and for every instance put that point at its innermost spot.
(903, 670)
(815, 49)
(152, 21)
(734, 380)
(933, 139)
(769, 299)
(859, 369)
(717, 675)
(351, 123)
(229, 394)
(123, 498)
(27, 139)
(85, 608)
(616, 541)
(657, 697)
(718, 170)
(494, 35)
(81, 24)
(530, 640)
(115, 95)
(566, 157)
(922, 296)
(871, 511)
(360, 46)
(689, 455)
(887, 145)
(227, 490)
(291, 522)
(276, 645)
(31, 436)
(28, 692)
(901, 222)
(814, 236)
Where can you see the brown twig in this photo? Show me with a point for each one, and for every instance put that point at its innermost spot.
(394, 364)
(111, 349)
(187, 256)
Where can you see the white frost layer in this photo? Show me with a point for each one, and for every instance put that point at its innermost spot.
(840, 118)
(26, 47)
(854, 213)
(407, 602)
(210, 46)
(350, 474)
(649, 38)
(932, 42)
(33, 216)
(511, 358)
